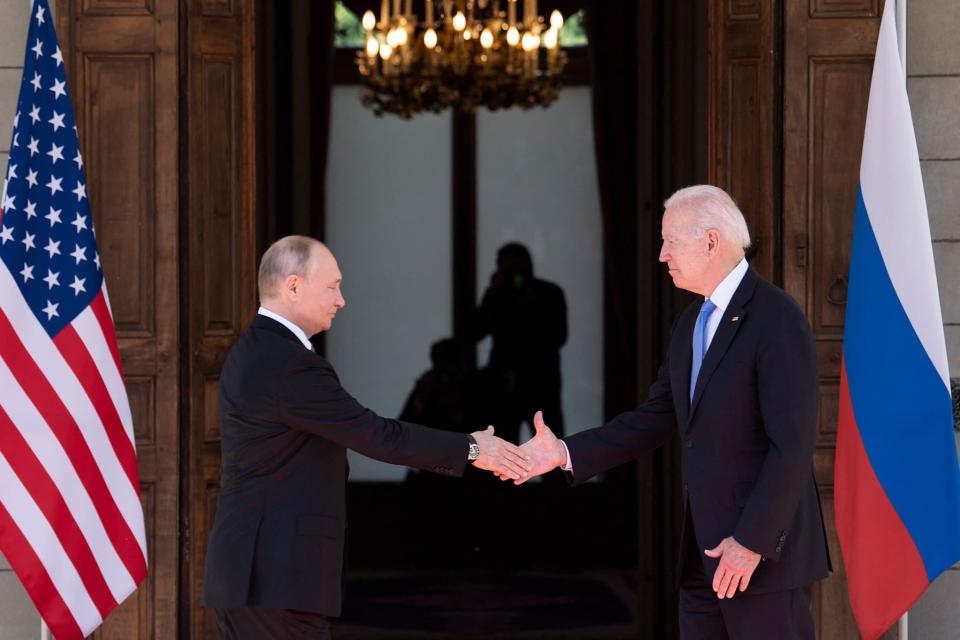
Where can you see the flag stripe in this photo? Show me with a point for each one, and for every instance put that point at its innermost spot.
(101, 311)
(880, 346)
(37, 583)
(45, 495)
(48, 551)
(38, 436)
(91, 333)
(46, 400)
(77, 357)
(869, 528)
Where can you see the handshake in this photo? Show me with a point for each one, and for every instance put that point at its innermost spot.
(538, 455)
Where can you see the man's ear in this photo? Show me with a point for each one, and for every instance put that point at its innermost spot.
(290, 286)
(713, 241)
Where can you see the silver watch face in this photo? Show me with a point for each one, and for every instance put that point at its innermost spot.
(474, 452)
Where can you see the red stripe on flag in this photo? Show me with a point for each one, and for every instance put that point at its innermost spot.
(885, 573)
(102, 314)
(42, 489)
(36, 581)
(74, 351)
(50, 406)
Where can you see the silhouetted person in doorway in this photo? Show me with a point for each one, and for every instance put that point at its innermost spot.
(443, 397)
(527, 319)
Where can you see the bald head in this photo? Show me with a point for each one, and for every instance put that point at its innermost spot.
(300, 280)
(288, 256)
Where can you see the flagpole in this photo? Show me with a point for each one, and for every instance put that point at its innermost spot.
(903, 624)
(902, 34)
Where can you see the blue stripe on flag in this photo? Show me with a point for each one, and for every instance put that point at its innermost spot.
(901, 405)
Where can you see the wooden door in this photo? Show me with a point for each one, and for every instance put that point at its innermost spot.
(828, 61)
(789, 83)
(743, 131)
(121, 60)
(219, 276)
(789, 152)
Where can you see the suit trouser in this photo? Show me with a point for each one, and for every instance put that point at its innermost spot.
(783, 615)
(261, 623)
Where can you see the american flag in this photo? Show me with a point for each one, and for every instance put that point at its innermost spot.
(71, 522)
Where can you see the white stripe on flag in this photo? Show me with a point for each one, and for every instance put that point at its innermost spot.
(92, 336)
(106, 298)
(53, 458)
(46, 545)
(75, 399)
(893, 194)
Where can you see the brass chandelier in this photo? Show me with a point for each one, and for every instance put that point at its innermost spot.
(472, 54)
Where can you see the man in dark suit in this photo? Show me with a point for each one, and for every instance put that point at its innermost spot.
(275, 554)
(740, 383)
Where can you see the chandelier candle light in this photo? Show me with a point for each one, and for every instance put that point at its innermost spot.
(472, 54)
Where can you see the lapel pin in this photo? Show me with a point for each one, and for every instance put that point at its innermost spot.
(734, 318)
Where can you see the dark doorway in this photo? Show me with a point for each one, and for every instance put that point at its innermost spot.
(464, 558)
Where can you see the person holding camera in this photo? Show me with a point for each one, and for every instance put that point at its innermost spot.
(527, 320)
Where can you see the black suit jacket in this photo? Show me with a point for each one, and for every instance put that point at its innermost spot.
(286, 424)
(747, 438)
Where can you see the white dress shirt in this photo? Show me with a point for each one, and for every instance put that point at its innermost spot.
(297, 331)
(721, 297)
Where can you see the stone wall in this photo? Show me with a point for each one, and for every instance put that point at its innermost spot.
(933, 82)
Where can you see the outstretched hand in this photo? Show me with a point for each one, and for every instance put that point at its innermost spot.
(544, 451)
(737, 564)
(503, 458)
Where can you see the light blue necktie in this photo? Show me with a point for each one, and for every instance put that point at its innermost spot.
(700, 342)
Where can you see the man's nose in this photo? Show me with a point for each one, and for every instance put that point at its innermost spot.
(663, 253)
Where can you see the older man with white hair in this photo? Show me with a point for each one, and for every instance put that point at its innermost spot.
(275, 554)
(739, 384)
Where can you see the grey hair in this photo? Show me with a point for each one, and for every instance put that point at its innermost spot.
(712, 208)
(287, 256)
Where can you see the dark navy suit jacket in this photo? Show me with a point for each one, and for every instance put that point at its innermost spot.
(286, 424)
(747, 438)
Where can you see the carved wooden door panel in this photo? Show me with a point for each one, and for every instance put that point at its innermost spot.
(742, 126)
(829, 48)
(121, 59)
(182, 287)
(219, 269)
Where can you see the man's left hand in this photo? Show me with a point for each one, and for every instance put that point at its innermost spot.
(737, 564)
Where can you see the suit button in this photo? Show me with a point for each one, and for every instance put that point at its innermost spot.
(688, 444)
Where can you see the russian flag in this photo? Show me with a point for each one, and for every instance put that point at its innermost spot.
(897, 481)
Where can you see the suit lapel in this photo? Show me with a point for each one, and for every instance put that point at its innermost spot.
(683, 356)
(729, 325)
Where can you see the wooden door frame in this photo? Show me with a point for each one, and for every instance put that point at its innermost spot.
(218, 257)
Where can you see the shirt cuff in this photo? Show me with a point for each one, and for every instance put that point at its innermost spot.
(569, 465)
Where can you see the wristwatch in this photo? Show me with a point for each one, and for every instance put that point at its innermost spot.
(474, 451)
